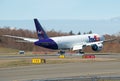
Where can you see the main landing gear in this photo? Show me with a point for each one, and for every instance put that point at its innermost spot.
(62, 52)
(80, 52)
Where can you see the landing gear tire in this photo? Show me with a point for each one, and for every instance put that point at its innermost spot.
(80, 52)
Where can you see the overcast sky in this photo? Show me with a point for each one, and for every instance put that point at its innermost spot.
(59, 9)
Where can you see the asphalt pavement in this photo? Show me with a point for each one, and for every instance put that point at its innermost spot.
(48, 71)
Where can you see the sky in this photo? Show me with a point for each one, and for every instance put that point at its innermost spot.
(62, 10)
(59, 9)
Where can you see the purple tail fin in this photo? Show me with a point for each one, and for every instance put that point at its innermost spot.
(40, 31)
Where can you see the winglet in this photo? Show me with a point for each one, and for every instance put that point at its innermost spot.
(40, 31)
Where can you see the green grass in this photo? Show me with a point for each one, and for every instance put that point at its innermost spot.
(7, 50)
(28, 62)
(10, 51)
(15, 63)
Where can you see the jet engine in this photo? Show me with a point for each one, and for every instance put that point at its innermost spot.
(97, 47)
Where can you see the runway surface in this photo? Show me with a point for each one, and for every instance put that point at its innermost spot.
(50, 71)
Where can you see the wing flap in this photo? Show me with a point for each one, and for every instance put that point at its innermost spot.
(77, 47)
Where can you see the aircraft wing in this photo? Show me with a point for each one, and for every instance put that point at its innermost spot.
(81, 46)
(109, 40)
(22, 39)
(92, 43)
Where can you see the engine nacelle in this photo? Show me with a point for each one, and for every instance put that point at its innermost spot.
(97, 47)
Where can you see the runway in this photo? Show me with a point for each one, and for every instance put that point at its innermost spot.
(50, 71)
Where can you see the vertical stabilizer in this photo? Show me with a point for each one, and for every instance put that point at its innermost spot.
(40, 31)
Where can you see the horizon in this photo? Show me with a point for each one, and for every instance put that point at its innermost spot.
(96, 26)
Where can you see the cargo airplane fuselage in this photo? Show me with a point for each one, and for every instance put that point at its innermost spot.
(73, 42)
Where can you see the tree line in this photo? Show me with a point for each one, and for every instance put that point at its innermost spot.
(113, 46)
(79, 33)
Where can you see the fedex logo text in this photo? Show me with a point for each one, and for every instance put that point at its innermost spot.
(93, 39)
(40, 32)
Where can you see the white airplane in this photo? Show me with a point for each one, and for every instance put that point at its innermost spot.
(74, 42)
